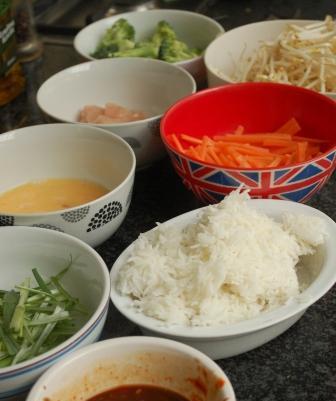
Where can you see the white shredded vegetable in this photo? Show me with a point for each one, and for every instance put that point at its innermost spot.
(300, 55)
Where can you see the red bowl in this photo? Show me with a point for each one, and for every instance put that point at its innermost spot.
(259, 107)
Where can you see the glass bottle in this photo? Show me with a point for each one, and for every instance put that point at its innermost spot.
(29, 47)
(12, 81)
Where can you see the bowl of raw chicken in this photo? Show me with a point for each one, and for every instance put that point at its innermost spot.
(126, 96)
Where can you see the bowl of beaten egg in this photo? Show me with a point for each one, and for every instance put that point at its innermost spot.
(134, 369)
(227, 278)
(70, 178)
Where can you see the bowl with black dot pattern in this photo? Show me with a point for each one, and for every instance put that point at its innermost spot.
(70, 151)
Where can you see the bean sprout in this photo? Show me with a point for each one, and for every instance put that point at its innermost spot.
(300, 55)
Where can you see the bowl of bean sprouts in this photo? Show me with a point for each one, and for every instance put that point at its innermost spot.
(297, 52)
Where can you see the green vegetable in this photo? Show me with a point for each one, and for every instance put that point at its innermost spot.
(119, 37)
(141, 49)
(163, 44)
(34, 320)
(175, 50)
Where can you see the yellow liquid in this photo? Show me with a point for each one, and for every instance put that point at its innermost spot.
(50, 195)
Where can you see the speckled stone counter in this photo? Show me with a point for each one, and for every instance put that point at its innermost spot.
(300, 365)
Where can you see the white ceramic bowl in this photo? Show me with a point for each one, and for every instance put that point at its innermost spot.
(133, 360)
(23, 248)
(70, 151)
(223, 54)
(228, 340)
(140, 84)
(195, 29)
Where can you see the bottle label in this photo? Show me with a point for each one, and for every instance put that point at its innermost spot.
(7, 38)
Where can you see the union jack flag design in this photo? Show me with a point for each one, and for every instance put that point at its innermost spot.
(297, 183)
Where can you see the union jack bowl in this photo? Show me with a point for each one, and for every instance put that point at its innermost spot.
(259, 107)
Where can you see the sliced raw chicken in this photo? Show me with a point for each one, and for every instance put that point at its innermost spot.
(111, 113)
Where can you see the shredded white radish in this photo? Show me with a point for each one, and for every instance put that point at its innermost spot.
(300, 55)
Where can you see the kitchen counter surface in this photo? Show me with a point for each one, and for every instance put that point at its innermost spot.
(300, 365)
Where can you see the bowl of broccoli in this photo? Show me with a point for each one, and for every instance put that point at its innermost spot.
(175, 36)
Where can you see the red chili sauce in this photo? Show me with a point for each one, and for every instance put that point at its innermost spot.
(138, 392)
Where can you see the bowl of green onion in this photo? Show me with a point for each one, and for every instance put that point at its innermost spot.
(54, 294)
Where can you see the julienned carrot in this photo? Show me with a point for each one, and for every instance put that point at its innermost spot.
(240, 130)
(306, 139)
(301, 151)
(260, 150)
(177, 143)
(291, 127)
(251, 138)
(191, 139)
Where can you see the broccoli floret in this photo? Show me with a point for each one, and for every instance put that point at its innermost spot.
(173, 51)
(163, 31)
(120, 30)
(141, 49)
(119, 37)
(119, 41)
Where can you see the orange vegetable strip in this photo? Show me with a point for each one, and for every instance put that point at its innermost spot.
(191, 139)
(226, 161)
(254, 162)
(244, 163)
(276, 161)
(257, 150)
(243, 147)
(276, 142)
(287, 159)
(246, 138)
(203, 150)
(238, 158)
(209, 159)
(193, 152)
(301, 151)
(284, 150)
(239, 130)
(259, 161)
(312, 140)
(234, 154)
(177, 143)
(291, 127)
(232, 160)
(214, 155)
(247, 149)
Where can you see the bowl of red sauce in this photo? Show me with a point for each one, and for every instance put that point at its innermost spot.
(134, 369)
(278, 140)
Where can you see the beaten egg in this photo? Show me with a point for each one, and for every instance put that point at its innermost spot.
(50, 195)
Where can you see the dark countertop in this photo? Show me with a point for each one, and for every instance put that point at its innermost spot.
(300, 364)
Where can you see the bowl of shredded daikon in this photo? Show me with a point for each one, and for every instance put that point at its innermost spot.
(227, 278)
(298, 52)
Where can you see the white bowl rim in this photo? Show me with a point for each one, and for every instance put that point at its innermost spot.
(321, 285)
(77, 355)
(213, 91)
(21, 133)
(30, 364)
(226, 78)
(155, 11)
(82, 66)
